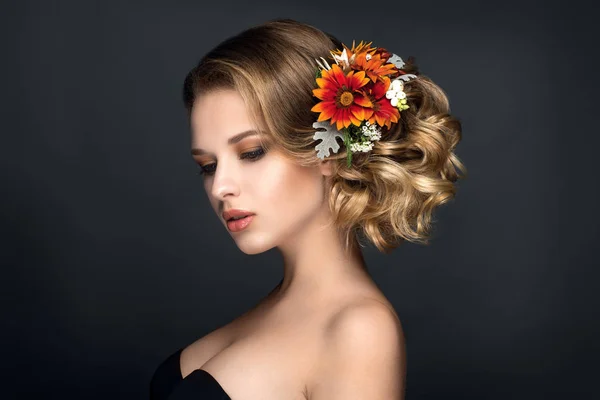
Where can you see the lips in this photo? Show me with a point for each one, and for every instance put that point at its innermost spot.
(235, 213)
(237, 225)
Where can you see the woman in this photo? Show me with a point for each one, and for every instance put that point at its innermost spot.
(304, 144)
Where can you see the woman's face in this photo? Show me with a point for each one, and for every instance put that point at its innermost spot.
(238, 173)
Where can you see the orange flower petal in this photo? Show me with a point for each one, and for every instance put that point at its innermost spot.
(379, 89)
(338, 75)
(324, 114)
(317, 107)
(322, 82)
(329, 108)
(359, 80)
(373, 76)
(324, 94)
(362, 101)
(342, 118)
(357, 112)
(354, 120)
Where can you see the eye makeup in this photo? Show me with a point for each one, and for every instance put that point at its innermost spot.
(233, 140)
(248, 156)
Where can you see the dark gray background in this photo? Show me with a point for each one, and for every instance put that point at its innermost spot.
(112, 258)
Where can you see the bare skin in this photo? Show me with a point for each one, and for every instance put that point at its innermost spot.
(270, 351)
(282, 347)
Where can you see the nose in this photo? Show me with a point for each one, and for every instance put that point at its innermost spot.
(225, 182)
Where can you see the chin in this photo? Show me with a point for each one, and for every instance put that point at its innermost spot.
(253, 245)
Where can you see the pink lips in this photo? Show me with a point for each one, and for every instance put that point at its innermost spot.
(239, 224)
(243, 219)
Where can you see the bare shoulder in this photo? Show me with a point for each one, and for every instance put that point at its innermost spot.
(365, 320)
(364, 354)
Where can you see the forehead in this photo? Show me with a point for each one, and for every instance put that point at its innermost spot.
(219, 113)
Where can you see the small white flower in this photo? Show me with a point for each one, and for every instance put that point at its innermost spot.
(373, 132)
(368, 57)
(362, 147)
(397, 85)
(396, 92)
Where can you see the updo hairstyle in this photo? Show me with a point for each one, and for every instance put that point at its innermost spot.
(388, 195)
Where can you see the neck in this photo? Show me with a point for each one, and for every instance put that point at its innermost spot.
(316, 258)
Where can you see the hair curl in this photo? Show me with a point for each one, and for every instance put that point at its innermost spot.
(389, 194)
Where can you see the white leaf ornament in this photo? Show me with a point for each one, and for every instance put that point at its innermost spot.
(407, 77)
(327, 137)
(396, 60)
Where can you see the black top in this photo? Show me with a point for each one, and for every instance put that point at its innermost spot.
(167, 383)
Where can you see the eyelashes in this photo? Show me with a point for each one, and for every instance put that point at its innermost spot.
(250, 156)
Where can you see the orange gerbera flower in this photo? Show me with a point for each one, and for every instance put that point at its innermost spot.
(342, 101)
(382, 110)
(361, 48)
(372, 60)
(374, 66)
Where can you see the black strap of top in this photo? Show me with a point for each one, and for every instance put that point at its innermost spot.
(166, 377)
(199, 385)
(168, 384)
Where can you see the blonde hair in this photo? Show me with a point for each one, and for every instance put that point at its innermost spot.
(389, 194)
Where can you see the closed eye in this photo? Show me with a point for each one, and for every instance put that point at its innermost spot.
(250, 156)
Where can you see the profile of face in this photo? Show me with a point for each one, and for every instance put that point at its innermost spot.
(287, 199)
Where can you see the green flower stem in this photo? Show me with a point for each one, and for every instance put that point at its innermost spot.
(348, 151)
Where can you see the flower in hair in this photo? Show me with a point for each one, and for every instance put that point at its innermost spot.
(384, 113)
(342, 101)
(396, 95)
(360, 93)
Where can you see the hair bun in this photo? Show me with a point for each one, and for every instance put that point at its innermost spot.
(390, 193)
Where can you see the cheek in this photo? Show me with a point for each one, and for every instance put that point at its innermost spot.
(288, 189)
(207, 189)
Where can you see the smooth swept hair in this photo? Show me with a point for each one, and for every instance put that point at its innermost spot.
(389, 194)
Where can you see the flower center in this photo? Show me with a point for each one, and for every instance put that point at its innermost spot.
(346, 99)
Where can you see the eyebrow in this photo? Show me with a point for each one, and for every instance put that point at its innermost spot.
(232, 140)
